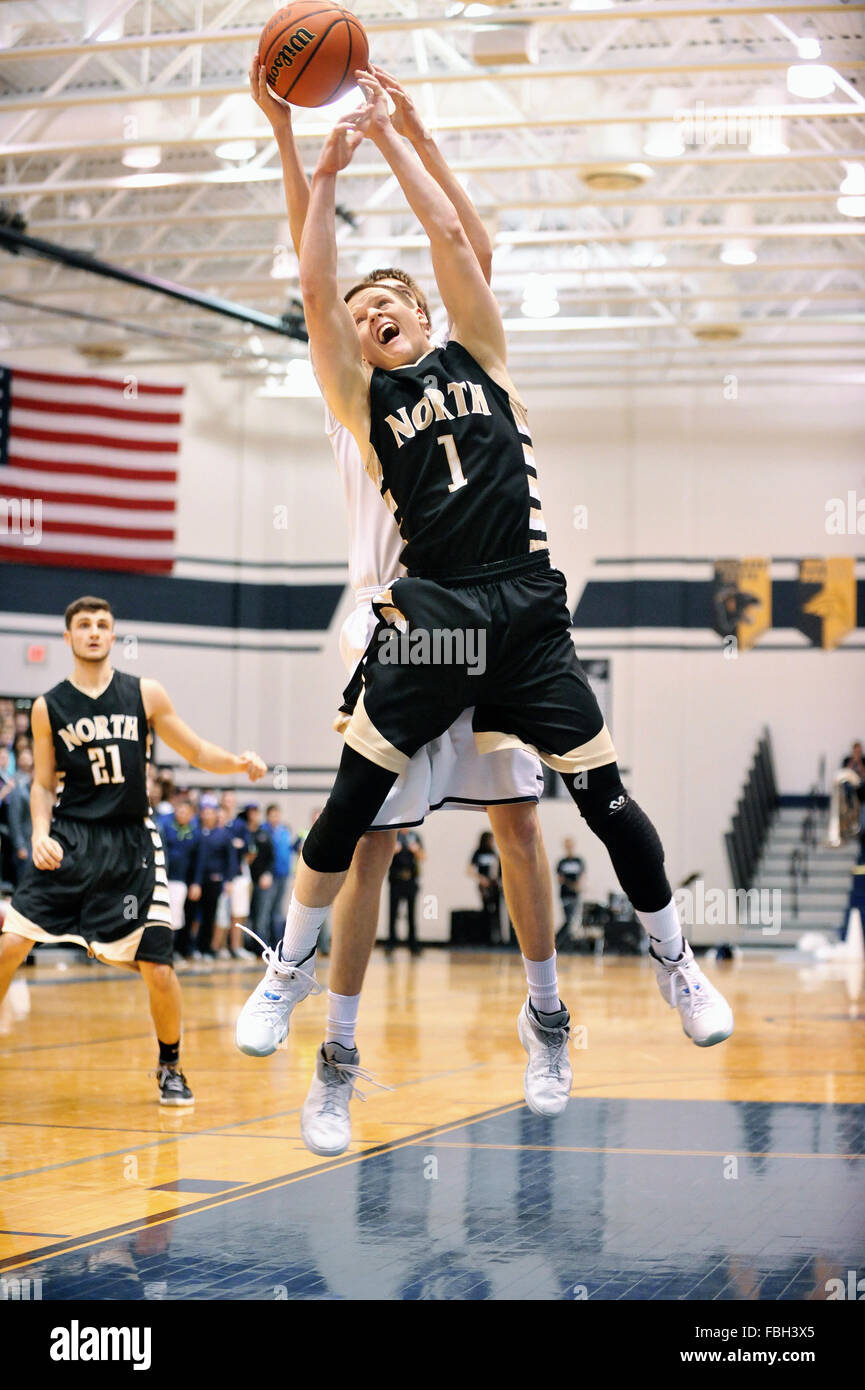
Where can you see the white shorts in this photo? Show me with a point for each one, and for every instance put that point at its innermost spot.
(176, 901)
(241, 894)
(450, 770)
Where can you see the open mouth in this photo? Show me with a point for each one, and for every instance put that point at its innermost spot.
(387, 333)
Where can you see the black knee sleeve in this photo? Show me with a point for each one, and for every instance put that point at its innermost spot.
(630, 837)
(358, 793)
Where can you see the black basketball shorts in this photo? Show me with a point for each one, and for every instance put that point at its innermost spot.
(109, 895)
(501, 643)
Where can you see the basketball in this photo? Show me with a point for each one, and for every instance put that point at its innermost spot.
(311, 51)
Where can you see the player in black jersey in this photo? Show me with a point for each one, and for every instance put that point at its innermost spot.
(98, 871)
(445, 437)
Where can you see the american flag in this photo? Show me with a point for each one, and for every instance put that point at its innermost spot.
(88, 471)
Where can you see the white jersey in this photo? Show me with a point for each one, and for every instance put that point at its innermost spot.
(374, 541)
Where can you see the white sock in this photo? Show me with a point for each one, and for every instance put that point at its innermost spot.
(341, 1018)
(665, 933)
(543, 985)
(302, 926)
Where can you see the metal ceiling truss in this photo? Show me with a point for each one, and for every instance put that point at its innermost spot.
(637, 273)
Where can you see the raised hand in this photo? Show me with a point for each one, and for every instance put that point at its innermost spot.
(339, 147)
(405, 117)
(373, 117)
(277, 110)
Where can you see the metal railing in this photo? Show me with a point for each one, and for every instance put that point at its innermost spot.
(754, 812)
(809, 836)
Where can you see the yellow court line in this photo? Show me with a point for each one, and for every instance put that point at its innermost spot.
(254, 1189)
(674, 1153)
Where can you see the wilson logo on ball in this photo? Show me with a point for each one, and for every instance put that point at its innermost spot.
(289, 51)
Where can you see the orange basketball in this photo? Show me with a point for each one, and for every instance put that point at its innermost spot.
(311, 51)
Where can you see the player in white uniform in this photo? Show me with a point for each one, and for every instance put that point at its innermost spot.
(448, 771)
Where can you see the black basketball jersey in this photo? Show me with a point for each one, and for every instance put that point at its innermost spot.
(452, 455)
(101, 748)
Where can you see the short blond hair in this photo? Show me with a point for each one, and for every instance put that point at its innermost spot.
(375, 277)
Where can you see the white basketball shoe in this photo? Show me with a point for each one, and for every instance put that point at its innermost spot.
(548, 1076)
(325, 1121)
(263, 1021)
(706, 1016)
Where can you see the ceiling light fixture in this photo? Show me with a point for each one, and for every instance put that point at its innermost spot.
(852, 200)
(810, 80)
(767, 137)
(236, 151)
(854, 183)
(808, 49)
(664, 141)
(540, 300)
(738, 251)
(142, 157)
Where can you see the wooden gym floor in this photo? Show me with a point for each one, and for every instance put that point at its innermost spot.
(731, 1172)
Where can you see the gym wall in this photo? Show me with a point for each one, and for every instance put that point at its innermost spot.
(659, 471)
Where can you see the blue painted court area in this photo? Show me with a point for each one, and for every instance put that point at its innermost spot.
(619, 1199)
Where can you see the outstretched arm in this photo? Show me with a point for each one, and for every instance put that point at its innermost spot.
(466, 295)
(333, 340)
(406, 120)
(294, 180)
(209, 757)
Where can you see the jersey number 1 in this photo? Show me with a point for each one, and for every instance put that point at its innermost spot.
(454, 464)
(101, 774)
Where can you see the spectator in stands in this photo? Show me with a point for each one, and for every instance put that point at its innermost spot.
(8, 873)
(153, 787)
(847, 798)
(165, 791)
(214, 867)
(485, 869)
(285, 846)
(181, 840)
(18, 814)
(569, 872)
(404, 878)
(229, 944)
(24, 767)
(261, 871)
(21, 743)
